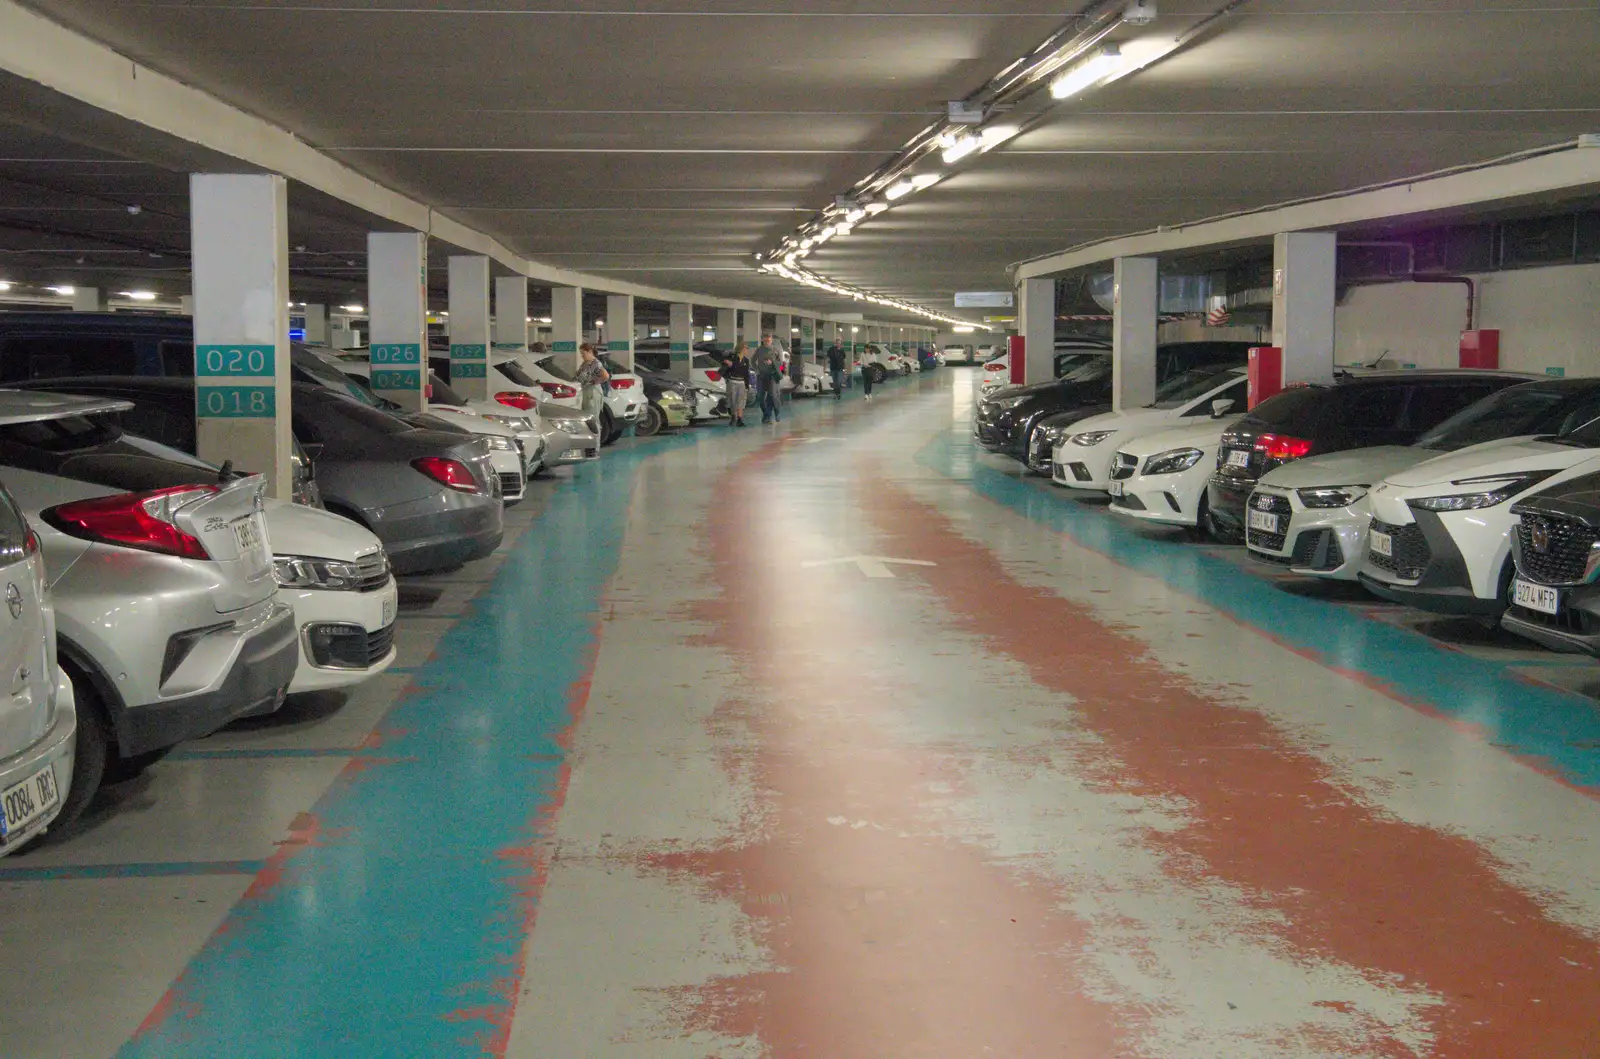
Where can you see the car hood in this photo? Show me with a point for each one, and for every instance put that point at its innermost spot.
(294, 529)
(1353, 467)
(1515, 454)
(1198, 435)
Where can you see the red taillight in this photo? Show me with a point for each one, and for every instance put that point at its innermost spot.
(30, 544)
(447, 472)
(134, 520)
(516, 399)
(714, 376)
(994, 367)
(558, 389)
(622, 384)
(1282, 447)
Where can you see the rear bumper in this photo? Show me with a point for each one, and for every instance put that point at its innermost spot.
(1226, 499)
(56, 748)
(444, 539)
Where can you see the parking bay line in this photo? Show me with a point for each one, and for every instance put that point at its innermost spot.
(133, 870)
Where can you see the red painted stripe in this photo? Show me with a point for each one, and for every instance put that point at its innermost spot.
(1352, 883)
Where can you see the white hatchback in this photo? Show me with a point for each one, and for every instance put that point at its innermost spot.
(1162, 477)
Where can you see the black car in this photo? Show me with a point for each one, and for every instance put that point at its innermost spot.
(1555, 599)
(1356, 412)
(1005, 420)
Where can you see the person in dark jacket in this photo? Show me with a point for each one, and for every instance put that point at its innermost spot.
(736, 373)
(836, 370)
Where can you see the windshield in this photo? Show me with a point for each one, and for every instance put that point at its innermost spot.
(1518, 410)
(442, 393)
(1187, 385)
(314, 368)
(551, 365)
(706, 360)
(1095, 367)
(513, 371)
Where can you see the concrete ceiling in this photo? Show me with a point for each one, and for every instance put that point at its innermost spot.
(665, 143)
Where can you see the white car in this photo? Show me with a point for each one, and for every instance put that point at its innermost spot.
(1440, 537)
(1312, 514)
(1162, 477)
(569, 435)
(1083, 459)
(622, 406)
(959, 355)
(335, 575)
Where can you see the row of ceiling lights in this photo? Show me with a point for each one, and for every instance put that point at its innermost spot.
(1070, 62)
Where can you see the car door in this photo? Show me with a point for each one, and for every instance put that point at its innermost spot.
(1371, 414)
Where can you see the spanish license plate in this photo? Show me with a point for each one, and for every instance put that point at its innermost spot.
(25, 802)
(1381, 544)
(1265, 521)
(1117, 489)
(1238, 457)
(247, 535)
(1543, 599)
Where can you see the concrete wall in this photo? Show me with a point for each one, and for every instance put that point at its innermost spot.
(1547, 318)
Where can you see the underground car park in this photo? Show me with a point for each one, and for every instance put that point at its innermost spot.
(1190, 649)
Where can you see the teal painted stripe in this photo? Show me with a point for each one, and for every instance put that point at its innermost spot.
(235, 402)
(232, 361)
(619, 347)
(137, 870)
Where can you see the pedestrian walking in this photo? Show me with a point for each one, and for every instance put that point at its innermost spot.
(836, 370)
(769, 379)
(736, 373)
(592, 376)
(866, 378)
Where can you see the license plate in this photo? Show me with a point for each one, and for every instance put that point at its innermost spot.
(247, 535)
(25, 802)
(1265, 521)
(1238, 457)
(1117, 488)
(388, 612)
(1382, 544)
(1535, 597)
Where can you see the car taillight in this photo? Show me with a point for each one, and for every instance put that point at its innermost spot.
(622, 384)
(516, 399)
(714, 376)
(994, 367)
(135, 520)
(1282, 447)
(558, 389)
(447, 472)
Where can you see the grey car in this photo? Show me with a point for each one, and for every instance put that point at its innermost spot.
(167, 617)
(431, 496)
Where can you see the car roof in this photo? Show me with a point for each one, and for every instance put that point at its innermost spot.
(33, 406)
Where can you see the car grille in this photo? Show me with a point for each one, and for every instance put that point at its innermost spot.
(1278, 505)
(1122, 467)
(1567, 619)
(510, 484)
(1411, 552)
(341, 646)
(1565, 554)
(372, 571)
(1318, 550)
(379, 643)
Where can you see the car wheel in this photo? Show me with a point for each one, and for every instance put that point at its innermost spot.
(878, 373)
(91, 754)
(608, 427)
(905, 369)
(121, 769)
(651, 423)
(1203, 529)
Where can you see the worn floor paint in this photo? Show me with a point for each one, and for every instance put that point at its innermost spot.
(663, 791)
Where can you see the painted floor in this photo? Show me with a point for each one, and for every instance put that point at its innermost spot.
(837, 739)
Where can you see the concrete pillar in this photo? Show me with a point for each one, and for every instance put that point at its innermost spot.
(1135, 299)
(808, 339)
(316, 325)
(469, 326)
(239, 241)
(727, 328)
(566, 324)
(88, 300)
(680, 340)
(510, 314)
(619, 329)
(397, 306)
(1304, 273)
(1036, 323)
(750, 327)
(186, 305)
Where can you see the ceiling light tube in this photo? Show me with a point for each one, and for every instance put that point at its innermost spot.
(959, 149)
(1097, 68)
(140, 295)
(923, 181)
(875, 208)
(855, 216)
(995, 135)
(900, 190)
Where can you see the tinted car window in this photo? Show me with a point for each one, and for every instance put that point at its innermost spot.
(652, 360)
(1295, 409)
(364, 416)
(1370, 415)
(513, 371)
(1238, 393)
(1506, 414)
(554, 367)
(442, 393)
(160, 424)
(1433, 404)
(51, 357)
(310, 367)
(1186, 386)
(1584, 412)
(93, 449)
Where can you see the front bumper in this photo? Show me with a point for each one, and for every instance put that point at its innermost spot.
(1168, 499)
(373, 613)
(56, 748)
(1575, 629)
(1316, 542)
(1429, 571)
(1226, 499)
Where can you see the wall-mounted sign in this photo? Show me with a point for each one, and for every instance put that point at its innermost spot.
(985, 299)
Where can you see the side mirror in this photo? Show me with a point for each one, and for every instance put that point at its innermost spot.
(1221, 407)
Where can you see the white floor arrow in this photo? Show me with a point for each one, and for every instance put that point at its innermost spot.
(871, 565)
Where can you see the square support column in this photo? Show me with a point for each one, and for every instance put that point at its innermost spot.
(1304, 275)
(566, 324)
(511, 314)
(88, 300)
(727, 329)
(397, 299)
(469, 326)
(316, 324)
(750, 328)
(1135, 299)
(808, 339)
(619, 329)
(239, 240)
(680, 340)
(1036, 323)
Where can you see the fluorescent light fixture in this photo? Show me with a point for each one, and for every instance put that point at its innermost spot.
(995, 135)
(355, 308)
(855, 330)
(544, 319)
(900, 190)
(823, 236)
(65, 292)
(923, 181)
(1094, 69)
(875, 208)
(843, 229)
(140, 295)
(959, 149)
(964, 330)
(599, 323)
(855, 216)
(805, 244)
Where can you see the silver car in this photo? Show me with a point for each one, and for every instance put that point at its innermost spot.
(167, 616)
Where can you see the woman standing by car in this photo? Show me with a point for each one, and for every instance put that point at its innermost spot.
(736, 372)
(591, 376)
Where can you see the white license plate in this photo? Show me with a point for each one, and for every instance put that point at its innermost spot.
(1265, 521)
(1117, 488)
(1535, 597)
(247, 535)
(1382, 544)
(1238, 457)
(388, 612)
(25, 802)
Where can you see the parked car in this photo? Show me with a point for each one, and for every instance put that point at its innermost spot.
(705, 370)
(1440, 537)
(1162, 477)
(38, 719)
(1071, 352)
(959, 355)
(621, 407)
(1081, 458)
(1356, 412)
(669, 404)
(570, 435)
(432, 497)
(1312, 514)
(1555, 544)
(167, 617)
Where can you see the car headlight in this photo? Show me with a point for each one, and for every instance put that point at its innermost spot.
(503, 444)
(514, 422)
(1173, 461)
(1089, 439)
(1491, 489)
(305, 571)
(1332, 495)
